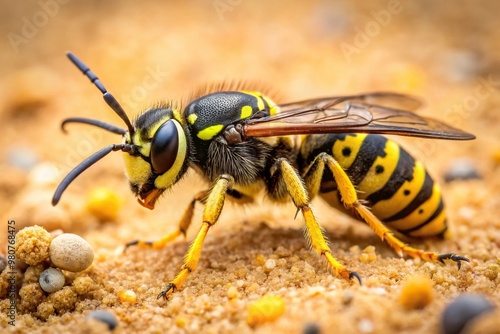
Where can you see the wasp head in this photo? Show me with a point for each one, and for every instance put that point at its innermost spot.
(155, 148)
(160, 157)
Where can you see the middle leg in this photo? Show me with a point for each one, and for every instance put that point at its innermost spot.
(298, 192)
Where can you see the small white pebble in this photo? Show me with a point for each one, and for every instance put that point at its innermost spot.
(365, 326)
(51, 280)
(270, 264)
(316, 290)
(44, 174)
(71, 252)
(431, 266)
(467, 213)
(378, 291)
(22, 157)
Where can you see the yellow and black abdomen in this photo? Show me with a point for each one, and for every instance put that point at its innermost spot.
(388, 179)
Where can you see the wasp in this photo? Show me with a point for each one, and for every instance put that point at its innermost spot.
(241, 141)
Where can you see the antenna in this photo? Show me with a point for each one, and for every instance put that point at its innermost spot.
(108, 97)
(86, 164)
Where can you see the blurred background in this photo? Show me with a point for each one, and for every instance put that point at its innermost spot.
(445, 52)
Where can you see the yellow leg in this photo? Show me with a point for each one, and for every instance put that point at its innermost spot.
(184, 224)
(213, 208)
(298, 193)
(351, 202)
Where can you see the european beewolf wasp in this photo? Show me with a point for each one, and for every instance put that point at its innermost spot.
(239, 140)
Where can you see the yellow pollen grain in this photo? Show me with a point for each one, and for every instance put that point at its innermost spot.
(127, 296)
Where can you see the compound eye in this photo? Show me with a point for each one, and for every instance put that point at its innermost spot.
(164, 147)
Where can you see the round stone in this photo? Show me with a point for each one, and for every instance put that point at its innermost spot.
(71, 252)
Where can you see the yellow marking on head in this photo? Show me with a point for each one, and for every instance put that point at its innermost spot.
(353, 143)
(389, 207)
(192, 118)
(210, 132)
(177, 115)
(415, 218)
(374, 181)
(246, 111)
(136, 168)
(167, 179)
(145, 145)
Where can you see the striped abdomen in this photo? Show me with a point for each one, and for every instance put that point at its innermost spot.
(395, 186)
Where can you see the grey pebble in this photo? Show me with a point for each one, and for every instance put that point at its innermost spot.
(461, 169)
(311, 328)
(463, 310)
(104, 316)
(51, 280)
(3, 263)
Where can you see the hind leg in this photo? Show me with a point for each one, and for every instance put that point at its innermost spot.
(296, 189)
(313, 176)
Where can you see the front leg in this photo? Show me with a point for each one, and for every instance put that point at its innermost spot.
(211, 213)
(184, 224)
(298, 192)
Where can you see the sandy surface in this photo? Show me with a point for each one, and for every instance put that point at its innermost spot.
(446, 53)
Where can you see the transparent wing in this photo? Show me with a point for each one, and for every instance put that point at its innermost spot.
(385, 113)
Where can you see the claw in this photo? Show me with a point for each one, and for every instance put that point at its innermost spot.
(355, 275)
(453, 257)
(135, 243)
(164, 293)
(130, 243)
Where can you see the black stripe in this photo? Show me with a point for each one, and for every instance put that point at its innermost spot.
(424, 194)
(402, 173)
(431, 218)
(316, 144)
(373, 146)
